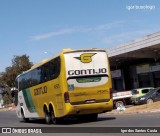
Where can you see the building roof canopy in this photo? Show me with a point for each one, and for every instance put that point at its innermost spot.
(146, 48)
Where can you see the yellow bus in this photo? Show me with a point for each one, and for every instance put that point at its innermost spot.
(73, 83)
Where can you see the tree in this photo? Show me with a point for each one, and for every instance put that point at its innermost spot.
(19, 65)
(7, 78)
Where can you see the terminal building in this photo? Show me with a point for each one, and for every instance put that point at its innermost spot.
(136, 64)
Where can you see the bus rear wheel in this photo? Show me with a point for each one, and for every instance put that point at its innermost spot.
(54, 119)
(47, 116)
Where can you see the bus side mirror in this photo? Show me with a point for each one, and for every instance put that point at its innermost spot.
(13, 92)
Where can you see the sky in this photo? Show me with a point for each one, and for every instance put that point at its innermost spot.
(42, 28)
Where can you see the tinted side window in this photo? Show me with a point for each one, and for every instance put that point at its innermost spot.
(50, 70)
(145, 91)
(16, 83)
(44, 73)
(22, 82)
(35, 76)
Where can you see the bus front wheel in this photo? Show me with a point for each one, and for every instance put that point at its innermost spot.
(23, 116)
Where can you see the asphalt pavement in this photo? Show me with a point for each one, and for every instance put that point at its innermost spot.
(9, 119)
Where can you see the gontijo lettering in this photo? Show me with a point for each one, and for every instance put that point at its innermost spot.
(87, 71)
(40, 90)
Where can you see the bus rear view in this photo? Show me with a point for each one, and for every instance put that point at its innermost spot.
(88, 83)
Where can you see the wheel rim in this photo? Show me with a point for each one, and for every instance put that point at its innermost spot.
(119, 103)
(149, 101)
(47, 118)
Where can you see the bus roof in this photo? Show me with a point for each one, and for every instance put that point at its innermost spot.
(68, 50)
(63, 51)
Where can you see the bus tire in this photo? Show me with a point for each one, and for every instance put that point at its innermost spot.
(23, 116)
(47, 116)
(53, 118)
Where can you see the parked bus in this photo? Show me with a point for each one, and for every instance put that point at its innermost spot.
(73, 83)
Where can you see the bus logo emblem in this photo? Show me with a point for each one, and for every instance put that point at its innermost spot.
(86, 57)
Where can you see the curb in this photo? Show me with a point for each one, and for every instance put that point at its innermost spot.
(134, 112)
(8, 109)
